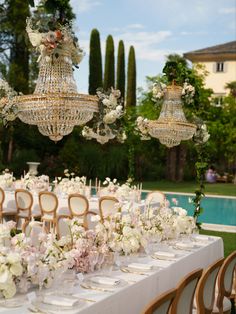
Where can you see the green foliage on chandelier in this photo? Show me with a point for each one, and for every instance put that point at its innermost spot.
(120, 73)
(95, 63)
(131, 79)
(109, 73)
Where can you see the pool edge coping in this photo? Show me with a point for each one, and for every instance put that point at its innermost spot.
(192, 194)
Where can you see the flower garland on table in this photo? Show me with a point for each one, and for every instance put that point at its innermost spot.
(6, 179)
(35, 183)
(106, 123)
(70, 183)
(125, 191)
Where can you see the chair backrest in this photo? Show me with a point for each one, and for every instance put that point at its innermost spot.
(78, 204)
(62, 226)
(24, 201)
(161, 304)
(32, 229)
(225, 279)
(48, 203)
(205, 291)
(155, 197)
(183, 301)
(2, 197)
(107, 206)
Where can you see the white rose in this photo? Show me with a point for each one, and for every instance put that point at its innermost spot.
(13, 258)
(9, 290)
(5, 275)
(16, 269)
(127, 231)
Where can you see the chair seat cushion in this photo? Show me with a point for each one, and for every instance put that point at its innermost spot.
(226, 306)
(47, 217)
(23, 214)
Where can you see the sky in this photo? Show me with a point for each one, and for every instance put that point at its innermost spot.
(156, 28)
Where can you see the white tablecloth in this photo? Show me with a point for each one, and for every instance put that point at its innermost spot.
(9, 204)
(140, 290)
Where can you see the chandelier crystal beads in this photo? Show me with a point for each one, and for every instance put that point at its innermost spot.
(171, 127)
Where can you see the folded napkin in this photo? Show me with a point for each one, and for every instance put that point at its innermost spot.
(182, 245)
(105, 280)
(164, 255)
(59, 300)
(140, 266)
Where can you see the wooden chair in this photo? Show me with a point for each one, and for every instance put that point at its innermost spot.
(225, 284)
(78, 205)
(161, 304)
(62, 226)
(24, 203)
(155, 197)
(107, 206)
(2, 198)
(233, 292)
(48, 203)
(5, 213)
(183, 301)
(205, 291)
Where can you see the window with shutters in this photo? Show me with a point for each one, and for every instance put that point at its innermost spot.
(220, 67)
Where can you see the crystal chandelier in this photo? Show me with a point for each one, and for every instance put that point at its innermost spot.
(55, 107)
(171, 127)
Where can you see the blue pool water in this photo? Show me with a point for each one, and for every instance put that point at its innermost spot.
(217, 210)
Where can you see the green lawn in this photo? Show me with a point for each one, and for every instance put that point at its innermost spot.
(228, 238)
(190, 186)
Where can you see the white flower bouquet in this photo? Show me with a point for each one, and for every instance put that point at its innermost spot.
(7, 180)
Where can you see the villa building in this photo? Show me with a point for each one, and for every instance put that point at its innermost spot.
(220, 63)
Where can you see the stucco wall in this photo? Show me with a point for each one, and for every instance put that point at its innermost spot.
(218, 80)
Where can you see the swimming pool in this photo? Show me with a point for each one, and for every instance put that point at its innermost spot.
(217, 210)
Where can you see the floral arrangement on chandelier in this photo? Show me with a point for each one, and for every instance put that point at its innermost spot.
(55, 43)
(107, 122)
(159, 90)
(8, 111)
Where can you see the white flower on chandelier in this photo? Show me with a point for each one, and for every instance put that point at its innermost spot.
(10, 110)
(106, 125)
(158, 90)
(142, 128)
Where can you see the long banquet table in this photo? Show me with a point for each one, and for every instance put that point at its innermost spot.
(141, 289)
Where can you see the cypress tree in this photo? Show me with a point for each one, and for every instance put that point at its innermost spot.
(95, 62)
(131, 84)
(120, 80)
(109, 73)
